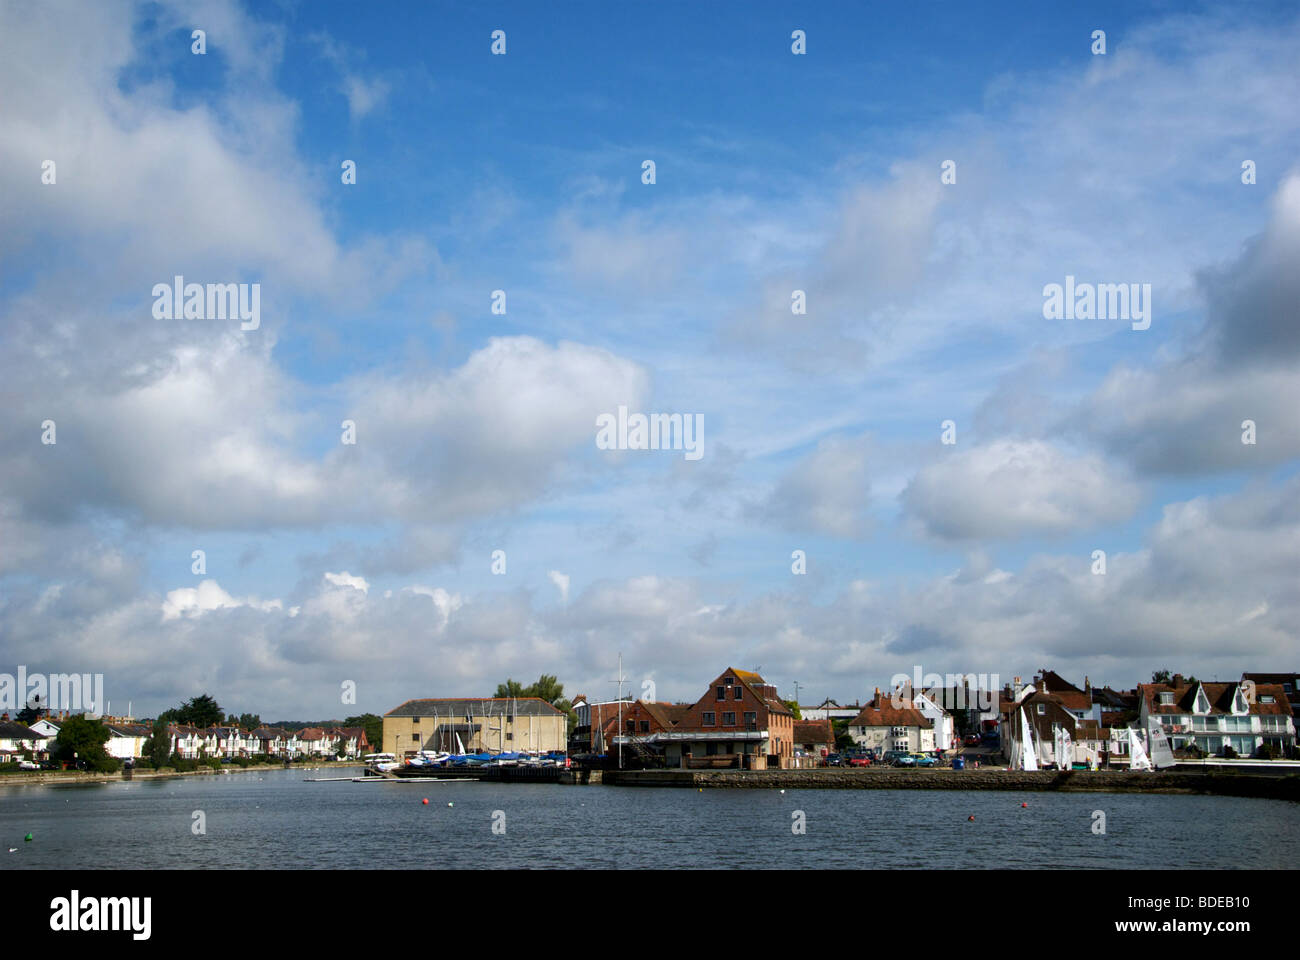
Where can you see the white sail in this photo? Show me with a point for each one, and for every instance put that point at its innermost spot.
(1027, 759)
(1041, 750)
(1065, 752)
(1137, 753)
(1161, 755)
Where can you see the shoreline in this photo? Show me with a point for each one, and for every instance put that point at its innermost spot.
(54, 778)
(1075, 781)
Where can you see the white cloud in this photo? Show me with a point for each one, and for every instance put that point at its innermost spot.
(1012, 488)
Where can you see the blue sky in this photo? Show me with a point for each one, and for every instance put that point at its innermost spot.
(522, 172)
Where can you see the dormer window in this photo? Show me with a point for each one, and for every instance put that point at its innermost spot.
(1166, 699)
(1266, 698)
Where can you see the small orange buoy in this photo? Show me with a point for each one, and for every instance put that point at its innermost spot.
(971, 817)
(425, 801)
(1024, 804)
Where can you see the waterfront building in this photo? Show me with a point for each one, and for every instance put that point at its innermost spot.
(126, 740)
(491, 724)
(814, 738)
(593, 719)
(739, 722)
(884, 725)
(17, 738)
(1216, 717)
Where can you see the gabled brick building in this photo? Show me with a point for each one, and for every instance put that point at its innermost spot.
(739, 722)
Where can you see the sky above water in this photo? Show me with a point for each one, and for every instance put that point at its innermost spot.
(827, 535)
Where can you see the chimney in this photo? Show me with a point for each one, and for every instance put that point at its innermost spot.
(876, 701)
(1087, 685)
(1178, 680)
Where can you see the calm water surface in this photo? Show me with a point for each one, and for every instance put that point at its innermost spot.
(273, 819)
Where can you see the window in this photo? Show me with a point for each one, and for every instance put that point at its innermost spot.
(1266, 698)
(1042, 709)
(751, 716)
(728, 719)
(631, 726)
(1166, 699)
(708, 720)
(415, 736)
(737, 693)
(510, 736)
(729, 680)
(645, 726)
(722, 693)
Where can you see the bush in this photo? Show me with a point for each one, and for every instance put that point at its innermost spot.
(213, 762)
(181, 764)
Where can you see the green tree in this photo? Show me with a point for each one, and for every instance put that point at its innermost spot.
(82, 739)
(372, 724)
(157, 749)
(794, 708)
(1161, 676)
(546, 688)
(249, 721)
(202, 711)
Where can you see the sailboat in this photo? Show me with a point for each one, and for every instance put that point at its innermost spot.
(1161, 755)
(1027, 754)
(1137, 753)
(1064, 748)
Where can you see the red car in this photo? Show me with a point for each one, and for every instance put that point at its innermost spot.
(973, 740)
(860, 762)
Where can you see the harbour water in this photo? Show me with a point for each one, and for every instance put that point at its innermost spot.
(273, 819)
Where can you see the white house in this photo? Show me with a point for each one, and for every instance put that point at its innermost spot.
(881, 725)
(126, 740)
(16, 738)
(1242, 716)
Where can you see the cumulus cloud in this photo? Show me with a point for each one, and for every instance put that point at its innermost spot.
(1186, 415)
(827, 491)
(1013, 488)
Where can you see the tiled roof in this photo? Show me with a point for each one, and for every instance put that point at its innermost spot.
(9, 730)
(813, 731)
(1220, 696)
(881, 713)
(475, 706)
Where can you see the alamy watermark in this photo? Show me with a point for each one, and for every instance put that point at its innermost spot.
(951, 691)
(77, 692)
(1101, 301)
(213, 301)
(657, 431)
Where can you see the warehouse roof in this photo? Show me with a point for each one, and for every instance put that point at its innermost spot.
(475, 707)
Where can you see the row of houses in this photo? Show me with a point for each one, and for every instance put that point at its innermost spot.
(740, 720)
(192, 742)
(1251, 717)
(127, 740)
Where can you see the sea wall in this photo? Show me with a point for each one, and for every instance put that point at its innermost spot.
(889, 778)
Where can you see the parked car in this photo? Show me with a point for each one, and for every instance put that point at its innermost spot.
(892, 756)
(904, 760)
(834, 760)
(923, 760)
(862, 760)
(28, 765)
(972, 740)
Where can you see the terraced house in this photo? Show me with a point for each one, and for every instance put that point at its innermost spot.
(1217, 716)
